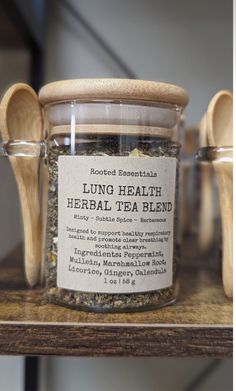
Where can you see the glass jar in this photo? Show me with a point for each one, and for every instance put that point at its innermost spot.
(112, 155)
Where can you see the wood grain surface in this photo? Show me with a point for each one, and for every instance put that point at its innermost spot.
(199, 324)
(94, 89)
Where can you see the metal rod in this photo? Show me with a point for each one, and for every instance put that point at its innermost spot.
(14, 10)
(31, 374)
(36, 51)
(203, 375)
(76, 14)
(36, 65)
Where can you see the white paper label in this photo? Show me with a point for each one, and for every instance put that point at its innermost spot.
(115, 223)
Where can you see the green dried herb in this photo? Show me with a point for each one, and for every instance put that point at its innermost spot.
(102, 145)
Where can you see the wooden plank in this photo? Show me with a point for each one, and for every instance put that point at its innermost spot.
(115, 341)
(30, 306)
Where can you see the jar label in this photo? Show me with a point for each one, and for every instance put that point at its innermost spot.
(115, 223)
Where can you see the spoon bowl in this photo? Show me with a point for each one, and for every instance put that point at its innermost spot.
(220, 119)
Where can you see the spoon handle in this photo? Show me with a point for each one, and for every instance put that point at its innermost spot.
(27, 178)
(224, 176)
(206, 213)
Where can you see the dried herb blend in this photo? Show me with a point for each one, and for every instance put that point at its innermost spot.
(102, 145)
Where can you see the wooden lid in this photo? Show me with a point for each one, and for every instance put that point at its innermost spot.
(117, 89)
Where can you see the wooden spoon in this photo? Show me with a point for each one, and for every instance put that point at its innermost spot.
(220, 133)
(21, 119)
(206, 212)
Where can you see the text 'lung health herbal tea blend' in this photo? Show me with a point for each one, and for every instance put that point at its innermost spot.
(113, 177)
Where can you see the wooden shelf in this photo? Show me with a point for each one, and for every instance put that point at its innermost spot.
(199, 324)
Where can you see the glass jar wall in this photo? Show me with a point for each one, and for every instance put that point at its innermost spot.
(112, 202)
